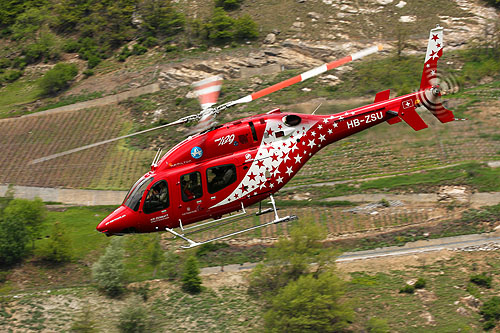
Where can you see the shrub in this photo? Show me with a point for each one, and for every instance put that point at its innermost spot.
(58, 247)
(124, 54)
(93, 61)
(481, 280)
(191, 281)
(88, 72)
(142, 291)
(407, 289)
(84, 323)
(11, 75)
(246, 28)
(134, 319)
(150, 42)
(58, 78)
(310, 304)
(3, 276)
(228, 4)
(490, 312)
(5, 62)
(420, 284)
(204, 249)
(139, 49)
(377, 325)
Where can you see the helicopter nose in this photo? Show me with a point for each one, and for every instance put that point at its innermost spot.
(116, 222)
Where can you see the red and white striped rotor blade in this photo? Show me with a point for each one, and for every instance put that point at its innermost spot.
(309, 74)
(208, 90)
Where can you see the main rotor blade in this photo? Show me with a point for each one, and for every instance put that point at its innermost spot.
(307, 75)
(92, 145)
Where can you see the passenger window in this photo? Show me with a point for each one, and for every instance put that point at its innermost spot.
(157, 198)
(220, 177)
(191, 186)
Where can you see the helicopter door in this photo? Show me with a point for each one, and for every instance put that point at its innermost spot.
(155, 207)
(191, 190)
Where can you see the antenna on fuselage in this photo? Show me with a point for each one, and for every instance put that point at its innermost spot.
(156, 159)
(317, 108)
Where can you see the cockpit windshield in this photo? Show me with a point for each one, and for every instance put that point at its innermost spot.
(134, 199)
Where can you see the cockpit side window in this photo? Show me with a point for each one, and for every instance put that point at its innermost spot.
(157, 198)
(134, 199)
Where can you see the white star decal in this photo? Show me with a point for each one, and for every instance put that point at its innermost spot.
(313, 133)
(325, 120)
(271, 185)
(335, 125)
(279, 180)
(289, 171)
(294, 148)
(330, 131)
(322, 138)
(320, 126)
(297, 159)
(311, 143)
(286, 158)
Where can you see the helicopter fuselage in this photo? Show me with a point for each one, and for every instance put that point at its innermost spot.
(261, 154)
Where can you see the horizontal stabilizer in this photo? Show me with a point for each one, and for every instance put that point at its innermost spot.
(395, 119)
(409, 115)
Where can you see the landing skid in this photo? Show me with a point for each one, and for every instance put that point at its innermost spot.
(227, 220)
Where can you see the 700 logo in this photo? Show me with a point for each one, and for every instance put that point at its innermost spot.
(228, 139)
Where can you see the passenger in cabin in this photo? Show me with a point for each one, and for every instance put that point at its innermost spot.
(187, 194)
(162, 192)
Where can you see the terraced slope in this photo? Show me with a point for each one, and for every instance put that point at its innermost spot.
(27, 138)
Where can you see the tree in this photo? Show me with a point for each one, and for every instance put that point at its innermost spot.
(310, 304)
(220, 28)
(160, 18)
(58, 247)
(191, 281)
(291, 258)
(156, 254)
(30, 213)
(108, 272)
(20, 223)
(13, 239)
(57, 78)
(170, 266)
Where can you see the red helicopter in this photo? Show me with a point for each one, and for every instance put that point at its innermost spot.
(228, 167)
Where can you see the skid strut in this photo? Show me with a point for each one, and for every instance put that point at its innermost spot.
(223, 221)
